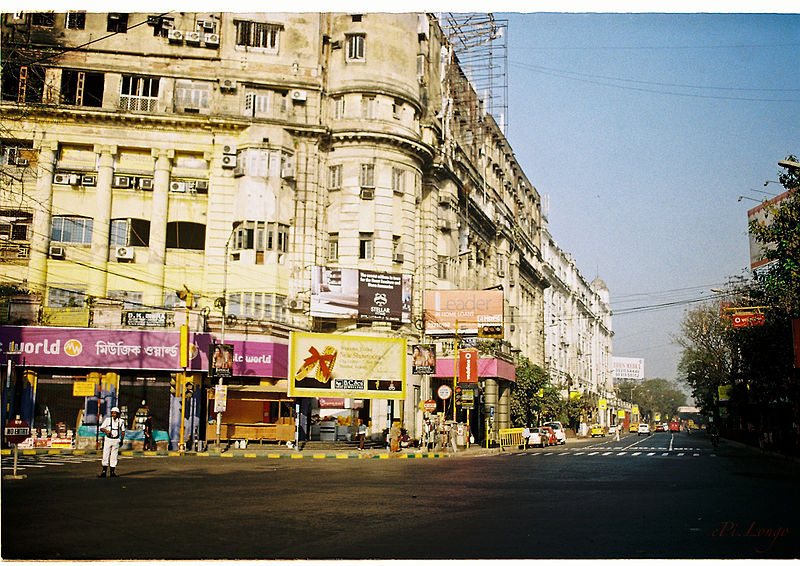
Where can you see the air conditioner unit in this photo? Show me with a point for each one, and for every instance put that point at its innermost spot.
(89, 180)
(175, 35)
(445, 225)
(201, 187)
(61, 179)
(228, 150)
(21, 162)
(367, 194)
(397, 258)
(211, 39)
(287, 170)
(193, 36)
(295, 304)
(124, 253)
(57, 252)
(145, 184)
(167, 23)
(227, 84)
(298, 95)
(229, 161)
(121, 181)
(177, 187)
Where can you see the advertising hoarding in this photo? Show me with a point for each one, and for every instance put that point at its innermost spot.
(628, 368)
(445, 309)
(468, 366)
(365, 295)
(221, 366)
(362, 367)
(423, 359)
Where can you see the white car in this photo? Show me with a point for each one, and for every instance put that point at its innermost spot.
(644, 428)
(558, 428)
(534, 438)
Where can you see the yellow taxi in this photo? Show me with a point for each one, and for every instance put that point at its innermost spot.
(634, 427)
(597, 430)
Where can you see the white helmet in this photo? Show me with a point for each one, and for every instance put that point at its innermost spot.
(115, 409)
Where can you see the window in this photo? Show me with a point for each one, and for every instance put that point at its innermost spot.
(138, 94)
(23, 84)
(66, 297)
(283, 238)
(186, 236)
(397, 109)
(257, 305)
(15, 224)
(334, 177)
(130, 232)
(80, 88)
(333, 246)
(258, 34)
(421, 66)
(71, 230)
(365, 245)
(367, 178)
(337, 107)
(441, 267)
(191, 96)
(270, 235)
(355, 47)
(43, 19)
(117, 23)
(398, 180)
(75, 20)
(368, 105)
(257, 104)
(131, 300)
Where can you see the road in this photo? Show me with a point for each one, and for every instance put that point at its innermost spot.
(662, 496)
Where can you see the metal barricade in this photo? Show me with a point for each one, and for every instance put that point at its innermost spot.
(511, 437)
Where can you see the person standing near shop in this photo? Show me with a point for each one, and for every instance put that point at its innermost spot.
(362, 434)
(149, 441)
(114, 429)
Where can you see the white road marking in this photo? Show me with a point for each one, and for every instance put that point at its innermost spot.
(621, 453)
(651, 453)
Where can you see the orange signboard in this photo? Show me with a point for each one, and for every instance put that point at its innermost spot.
(450, 308)
(748, 319)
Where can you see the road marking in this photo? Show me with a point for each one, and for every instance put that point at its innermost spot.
(579, 453)
(695, 454)
(606, 453)
(651, 453)
(665, 453)
(671, 439)
(636, 454)
(713, 455)
(593, 453)
(563, 453)
(621, 453)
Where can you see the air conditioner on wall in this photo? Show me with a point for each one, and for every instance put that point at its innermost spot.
(121, 181)
(228, 150)
(177, 187)
(89, 181)
(21, 162)
(211, 39)
(229, 161)
(227, 84)
(145, 184)
(287, 170)
(175, 35)
(61, 179)
(298, 95)
(57, 252)
(193, 36)
(124, 253)
(397, 258)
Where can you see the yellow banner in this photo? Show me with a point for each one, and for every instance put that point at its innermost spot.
(83, 388)
(601, 404)
(621, 414)
(361, 367)
(635, 410)
(574, 394)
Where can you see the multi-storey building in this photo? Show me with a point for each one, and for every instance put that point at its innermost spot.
(229, 157)
(578, 333)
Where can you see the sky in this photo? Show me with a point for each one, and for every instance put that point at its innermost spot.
(643, 130)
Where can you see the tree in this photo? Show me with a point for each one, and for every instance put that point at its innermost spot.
(526, 404)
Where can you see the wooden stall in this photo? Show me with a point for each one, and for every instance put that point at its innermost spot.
(259, 413)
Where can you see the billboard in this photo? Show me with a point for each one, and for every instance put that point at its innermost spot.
(628, 368)
(762, 216)
(221, 366)
(332, 365)
(423, 359)
(446, 309)
(365, 295)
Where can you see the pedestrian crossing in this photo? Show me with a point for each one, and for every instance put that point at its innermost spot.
(620, 452)
(31, 462)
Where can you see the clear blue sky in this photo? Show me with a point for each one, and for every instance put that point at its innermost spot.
(644, 129)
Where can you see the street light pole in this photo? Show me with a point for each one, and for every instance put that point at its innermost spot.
(224, 316)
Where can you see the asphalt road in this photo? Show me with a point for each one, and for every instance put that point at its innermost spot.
(662, 496)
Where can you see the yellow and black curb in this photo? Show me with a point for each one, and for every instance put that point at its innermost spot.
(212, 454)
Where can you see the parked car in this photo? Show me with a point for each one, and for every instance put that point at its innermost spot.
(558, 428)
(537, 437)
(597, 430)
(644, 428)
(634, 427)
(549, 434)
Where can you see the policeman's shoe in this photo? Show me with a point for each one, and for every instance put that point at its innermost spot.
(103, 473)
(112, 474)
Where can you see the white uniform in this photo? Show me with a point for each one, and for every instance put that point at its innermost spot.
(113, 438)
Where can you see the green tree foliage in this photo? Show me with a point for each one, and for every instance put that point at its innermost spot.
(653, 396)
(526, 404)
(780, 238)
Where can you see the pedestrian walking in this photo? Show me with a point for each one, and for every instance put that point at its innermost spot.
(394, 437)
(149, 440)
(114, 430)
(362, 434)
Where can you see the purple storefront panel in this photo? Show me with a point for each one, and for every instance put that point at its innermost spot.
(487, 367)
(131, 349)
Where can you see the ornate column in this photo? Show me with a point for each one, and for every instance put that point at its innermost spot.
(158, 221)
(101, 225)
(43, 207)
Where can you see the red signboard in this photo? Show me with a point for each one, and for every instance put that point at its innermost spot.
(430, 405)
(468, 366)
(748, 319)
(16, 431)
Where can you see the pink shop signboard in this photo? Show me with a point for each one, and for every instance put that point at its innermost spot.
(130, 349)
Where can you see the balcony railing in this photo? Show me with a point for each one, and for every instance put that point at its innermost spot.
(133, 103)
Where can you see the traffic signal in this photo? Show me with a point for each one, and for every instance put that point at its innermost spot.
(490, 330)
(174, 384)
(458, 395)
